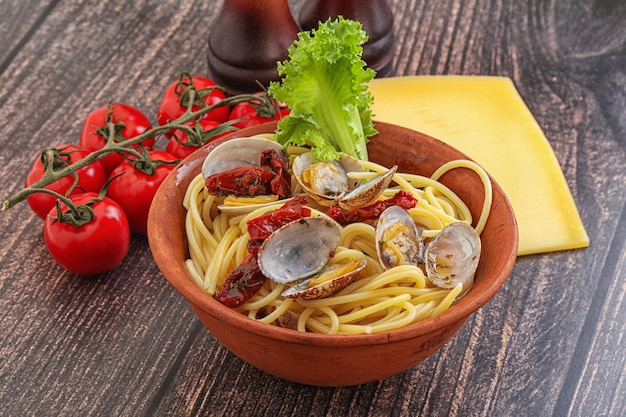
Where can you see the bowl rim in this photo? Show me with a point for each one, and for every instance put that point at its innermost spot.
(179, 278)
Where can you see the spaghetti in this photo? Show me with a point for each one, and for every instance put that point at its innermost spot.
(380, 301)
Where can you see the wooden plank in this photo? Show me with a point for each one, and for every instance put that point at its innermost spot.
(550, 343)
(20, 22)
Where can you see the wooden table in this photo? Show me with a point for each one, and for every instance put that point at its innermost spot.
(552, 341)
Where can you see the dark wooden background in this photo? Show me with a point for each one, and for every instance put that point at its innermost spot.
(551, 343)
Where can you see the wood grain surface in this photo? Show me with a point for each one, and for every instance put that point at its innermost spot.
(551, 343)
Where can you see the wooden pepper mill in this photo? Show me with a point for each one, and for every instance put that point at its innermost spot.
(375, 16)
(246, 41)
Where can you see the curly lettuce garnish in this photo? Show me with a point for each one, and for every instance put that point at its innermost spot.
(325, 84)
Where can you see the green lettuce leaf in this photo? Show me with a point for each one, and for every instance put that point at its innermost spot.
(325, 84)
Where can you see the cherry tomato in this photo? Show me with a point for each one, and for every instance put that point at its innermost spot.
(91, 248)
(173, 105)
(246, 110)
(134, 189)
(212, 132)
(90, 178)
(129, 121)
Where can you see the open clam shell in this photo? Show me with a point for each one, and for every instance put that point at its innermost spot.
(398, 241)
(299, 249)
(328, 184)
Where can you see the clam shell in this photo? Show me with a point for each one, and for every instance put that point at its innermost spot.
(245, 151)
(303, 291)
(299, 164)
(410, 244)
(357, 194)
(299, 249)
(452, 256)
(366, 193)
(351, 164)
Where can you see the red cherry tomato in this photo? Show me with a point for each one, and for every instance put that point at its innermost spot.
(90, 178)
(130, 122)
(91, 248)
(246, 111)
(134, 189)
(173, 105)
(179, 145)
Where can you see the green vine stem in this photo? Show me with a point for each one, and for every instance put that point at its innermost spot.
(111, 146)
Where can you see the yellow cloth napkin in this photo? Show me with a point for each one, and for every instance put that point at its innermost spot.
(486, 118)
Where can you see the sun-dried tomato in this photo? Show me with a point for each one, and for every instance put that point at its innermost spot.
(240, 181)
(402, 198)
(242, 283)
(247, 278)
(261, 227)
(271, 177)
(281, 183)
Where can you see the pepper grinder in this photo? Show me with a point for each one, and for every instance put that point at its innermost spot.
(246, 41)
(375, 16)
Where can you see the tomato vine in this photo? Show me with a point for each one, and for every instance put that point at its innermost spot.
(125, 146)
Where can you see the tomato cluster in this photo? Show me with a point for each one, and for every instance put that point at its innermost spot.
(89, 214)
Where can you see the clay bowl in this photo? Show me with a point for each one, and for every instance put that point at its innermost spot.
(335, 360)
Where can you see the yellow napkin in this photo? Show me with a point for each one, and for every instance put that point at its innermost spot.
(486, 118)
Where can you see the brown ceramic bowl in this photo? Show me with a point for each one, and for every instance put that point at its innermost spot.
(337, 360)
